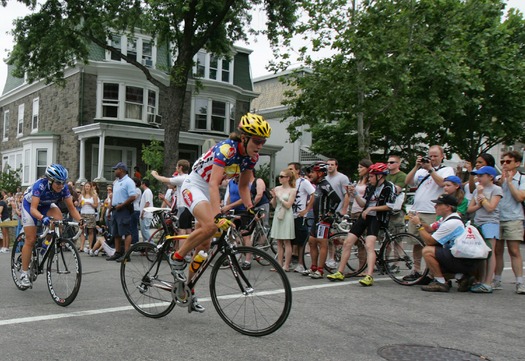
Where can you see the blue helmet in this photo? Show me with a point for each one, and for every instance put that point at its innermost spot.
(57, 173)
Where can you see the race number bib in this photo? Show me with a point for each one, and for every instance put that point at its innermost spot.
(323, 229)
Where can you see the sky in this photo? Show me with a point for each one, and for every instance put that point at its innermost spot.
(259, 58)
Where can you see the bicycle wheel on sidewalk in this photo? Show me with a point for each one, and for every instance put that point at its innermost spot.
(255, 302)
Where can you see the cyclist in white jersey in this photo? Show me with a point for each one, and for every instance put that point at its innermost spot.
(200, 191)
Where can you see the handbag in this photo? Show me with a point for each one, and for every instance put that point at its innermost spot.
(470, 244)
(281, 212)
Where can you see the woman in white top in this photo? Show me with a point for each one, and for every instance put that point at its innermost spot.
(88, 210)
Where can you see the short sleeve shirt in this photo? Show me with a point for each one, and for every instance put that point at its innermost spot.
(123, 188)
(449, 230)
(42, 189)
(509, 208)
(482, 216)
(305, 189)
(428, 189)
(224, 154)
(339, 183)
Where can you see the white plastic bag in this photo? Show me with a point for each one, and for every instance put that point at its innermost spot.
(470, 244)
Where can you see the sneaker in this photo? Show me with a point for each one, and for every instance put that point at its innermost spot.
(24, 280)
(123, 258)
(299, 269)
(4, 250)
(316, 275)
(331, 263)
(95, 254)
(465, 284)
(367, 281)
(246, 266)
(177, 268)
(91, 254)
(496, 285)
(520, 288)
(338, 276)
(195, 305)
(480, 288)
(412, 277)
(114, 257)
(86, 250)
(436, 286)
(307, 272)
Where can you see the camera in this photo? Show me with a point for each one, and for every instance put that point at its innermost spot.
(425, 160)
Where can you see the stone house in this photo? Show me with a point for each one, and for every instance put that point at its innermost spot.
(107, 110)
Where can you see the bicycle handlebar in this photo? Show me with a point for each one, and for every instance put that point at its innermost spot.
(59, 222)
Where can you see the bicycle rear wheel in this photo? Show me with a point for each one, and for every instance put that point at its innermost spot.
(261, 241)
(255, 302)
(402, 257)
(16, 260)
(64, 272)
(147, 280)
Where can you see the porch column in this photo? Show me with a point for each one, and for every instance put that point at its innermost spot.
(101, 150)
(82, 162)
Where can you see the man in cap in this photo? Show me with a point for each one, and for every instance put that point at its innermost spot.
(121, 209)
(436, 252)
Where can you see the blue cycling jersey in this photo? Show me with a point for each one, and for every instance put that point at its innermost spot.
(42, 189)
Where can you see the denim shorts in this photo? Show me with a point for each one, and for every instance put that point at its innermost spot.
(490, 230)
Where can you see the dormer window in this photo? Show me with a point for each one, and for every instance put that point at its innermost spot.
(138, 48)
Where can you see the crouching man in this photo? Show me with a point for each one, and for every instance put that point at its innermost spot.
(439, 238)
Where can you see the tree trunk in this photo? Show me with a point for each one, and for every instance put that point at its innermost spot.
(172, 123)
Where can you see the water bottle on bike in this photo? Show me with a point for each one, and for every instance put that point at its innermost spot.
(198, 260)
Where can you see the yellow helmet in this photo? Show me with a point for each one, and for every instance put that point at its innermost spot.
(254, 124)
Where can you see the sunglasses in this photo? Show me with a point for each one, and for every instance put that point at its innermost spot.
(506, 161)
(283, 176)
(391, 162)
(58, 183)
(258, 141)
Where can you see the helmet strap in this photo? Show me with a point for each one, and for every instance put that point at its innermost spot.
(245, 143)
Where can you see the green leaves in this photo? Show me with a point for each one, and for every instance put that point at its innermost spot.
(417, 73)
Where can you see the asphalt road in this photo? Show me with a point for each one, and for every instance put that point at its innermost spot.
(328, 321)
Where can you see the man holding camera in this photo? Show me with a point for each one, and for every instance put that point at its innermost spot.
(428, 176)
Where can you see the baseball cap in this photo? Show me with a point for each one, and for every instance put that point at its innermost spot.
(122, 166)
(486, 170)
(453, 179)
(446, 199)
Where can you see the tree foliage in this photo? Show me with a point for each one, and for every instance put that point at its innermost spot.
(10, 179)
(59, 34)
(407, 74)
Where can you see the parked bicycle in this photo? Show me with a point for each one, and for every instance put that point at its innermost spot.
(395, 256)
(254, 302)
(57, 256)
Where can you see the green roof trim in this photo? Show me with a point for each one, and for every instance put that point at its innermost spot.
(241, 73)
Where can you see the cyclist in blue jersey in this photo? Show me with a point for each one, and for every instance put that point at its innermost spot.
(39, 204)
(200, 190)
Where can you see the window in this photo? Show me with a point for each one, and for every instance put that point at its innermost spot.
(41, 162)
(201, 113)
(233, 126)
(218, 116)
(216, 69)
(201, 65)
(214, 66)
(138, 48)
(213, 115)
(225, 71)
(27, 159)
(116, 42)
(20, 123)
(152, 106)
(147, 53)
(132, 48)
(6, 125)
(122, 101)
(134, 102)
(110, 100)
(34, 117)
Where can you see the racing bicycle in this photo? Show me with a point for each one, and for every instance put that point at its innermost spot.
(254, 302)
(54, 255)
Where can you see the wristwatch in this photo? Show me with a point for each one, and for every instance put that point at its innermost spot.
(430, 170)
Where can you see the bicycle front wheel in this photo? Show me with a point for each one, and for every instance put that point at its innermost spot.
(64, 272)
(147, 280)
(402, 256)
(256, 302)
(16, 260)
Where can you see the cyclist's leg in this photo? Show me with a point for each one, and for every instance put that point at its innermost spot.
(370, 242)
(204, 230)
